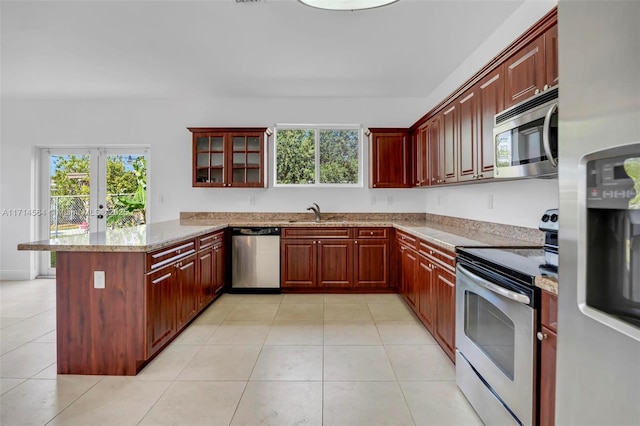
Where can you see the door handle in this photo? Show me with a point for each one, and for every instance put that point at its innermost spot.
(512, 295)
(545, 135)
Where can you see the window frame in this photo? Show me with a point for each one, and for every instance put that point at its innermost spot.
(317, 128)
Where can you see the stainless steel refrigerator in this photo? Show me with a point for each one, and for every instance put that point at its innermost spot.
(598, 353)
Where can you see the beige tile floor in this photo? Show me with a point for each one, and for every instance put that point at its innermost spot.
(247, 360)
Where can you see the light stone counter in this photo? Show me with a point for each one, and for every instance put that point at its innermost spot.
(547, 283)
(158, 235)
(140, 238)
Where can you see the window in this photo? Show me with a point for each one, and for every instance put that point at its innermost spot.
(317, 155)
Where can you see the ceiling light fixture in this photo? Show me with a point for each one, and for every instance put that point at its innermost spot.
(347, 4)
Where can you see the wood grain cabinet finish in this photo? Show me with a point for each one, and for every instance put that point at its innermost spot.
(448, 149)
(525, 72)
(229, 157)
(335, 259)
(148, 299)
(390, 158)
(436, 160)
(490, 102)
(421, 148)
(548, 349)
(468, 135)
(551, 55)
(427, 283)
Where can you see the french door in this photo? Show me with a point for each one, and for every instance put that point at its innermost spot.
(90, 190)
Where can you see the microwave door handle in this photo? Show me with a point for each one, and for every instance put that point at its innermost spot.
(516, 297)
(545, 135)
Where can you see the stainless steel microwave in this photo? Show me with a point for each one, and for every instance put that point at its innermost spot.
(526, 138)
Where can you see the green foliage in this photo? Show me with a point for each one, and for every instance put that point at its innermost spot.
(128, 204)
(71, 165)
(339, 156)
(295, 156)
(119, 180)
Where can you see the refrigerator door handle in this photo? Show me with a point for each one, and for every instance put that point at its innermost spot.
(545, 134)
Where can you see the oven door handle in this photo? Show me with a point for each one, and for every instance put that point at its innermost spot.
(516, 297)
(545, 135)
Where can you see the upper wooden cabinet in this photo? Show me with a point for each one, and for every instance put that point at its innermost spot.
(390, 158)
(533, 68)
(421, 144)
(229, 157)
(448, 143)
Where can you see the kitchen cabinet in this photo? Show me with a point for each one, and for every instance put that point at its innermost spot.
(390, 158)
(211, 267)
(533, 68)
(421, 149)
(436, 161)
(548, 347)
(161, 298)
(371, 258)
(427, 283)
(335, 258)
(468, 134)
(490, 102)
(551, 55)
(449, 144)
(229, 157)
(187, 290)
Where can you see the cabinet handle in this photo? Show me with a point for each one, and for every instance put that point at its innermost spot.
(546, 86)
(371, 233)
(319, 242)
(418, 184)
(541, 336)
(356, 241)
(430, 251)
(480, 176)
(374, 185)
(536, 92)
(314, 242)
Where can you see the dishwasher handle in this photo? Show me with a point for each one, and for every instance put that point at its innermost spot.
(252, 231)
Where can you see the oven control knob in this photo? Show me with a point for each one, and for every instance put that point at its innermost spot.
(541, 336)
(545, 218)
(554, 218)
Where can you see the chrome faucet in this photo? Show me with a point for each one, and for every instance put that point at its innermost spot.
(316, 210)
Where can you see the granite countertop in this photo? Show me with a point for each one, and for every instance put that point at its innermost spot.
(548, 283)
(157, 235)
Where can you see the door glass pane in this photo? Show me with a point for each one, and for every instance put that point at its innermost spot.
(253, 175)
(203, 160)
(253, 143)
(491, 330)
(253, 159)
(203, 144)
(217, 160)
(239, 159)
(216, 175)
(69, 191)
(217, 143)
(238, 143)
(126, 190)
(238, 175)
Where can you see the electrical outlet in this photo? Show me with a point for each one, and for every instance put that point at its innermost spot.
(490, 202)
(373, 200)
(252, 200)
(439, 199)
(98, 279)
(389, 200)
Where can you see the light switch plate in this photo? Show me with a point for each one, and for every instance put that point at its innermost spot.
(98, 279)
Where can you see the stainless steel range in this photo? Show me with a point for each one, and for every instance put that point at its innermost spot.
(497, 318)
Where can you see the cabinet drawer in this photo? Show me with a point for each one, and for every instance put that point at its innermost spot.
(372, 233)
(325, 233)
(209, 240)
(446, 257)
(159, 258)
(406, 239)
(549, 310)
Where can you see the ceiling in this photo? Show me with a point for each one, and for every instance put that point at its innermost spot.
(221, 48)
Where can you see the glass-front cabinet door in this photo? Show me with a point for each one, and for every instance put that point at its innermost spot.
(224, 157)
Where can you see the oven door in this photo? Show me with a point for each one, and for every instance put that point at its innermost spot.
(495, 335)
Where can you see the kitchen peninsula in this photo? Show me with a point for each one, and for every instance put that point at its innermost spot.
(124, 294)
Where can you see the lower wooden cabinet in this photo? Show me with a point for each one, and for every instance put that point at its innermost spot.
(188, 291)
(547, 338)
(335, 258)
(427, 283)
(161, 319)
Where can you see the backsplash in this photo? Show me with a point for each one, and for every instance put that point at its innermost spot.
(535, 236)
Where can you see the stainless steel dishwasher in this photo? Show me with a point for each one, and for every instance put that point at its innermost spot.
(255, 259)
